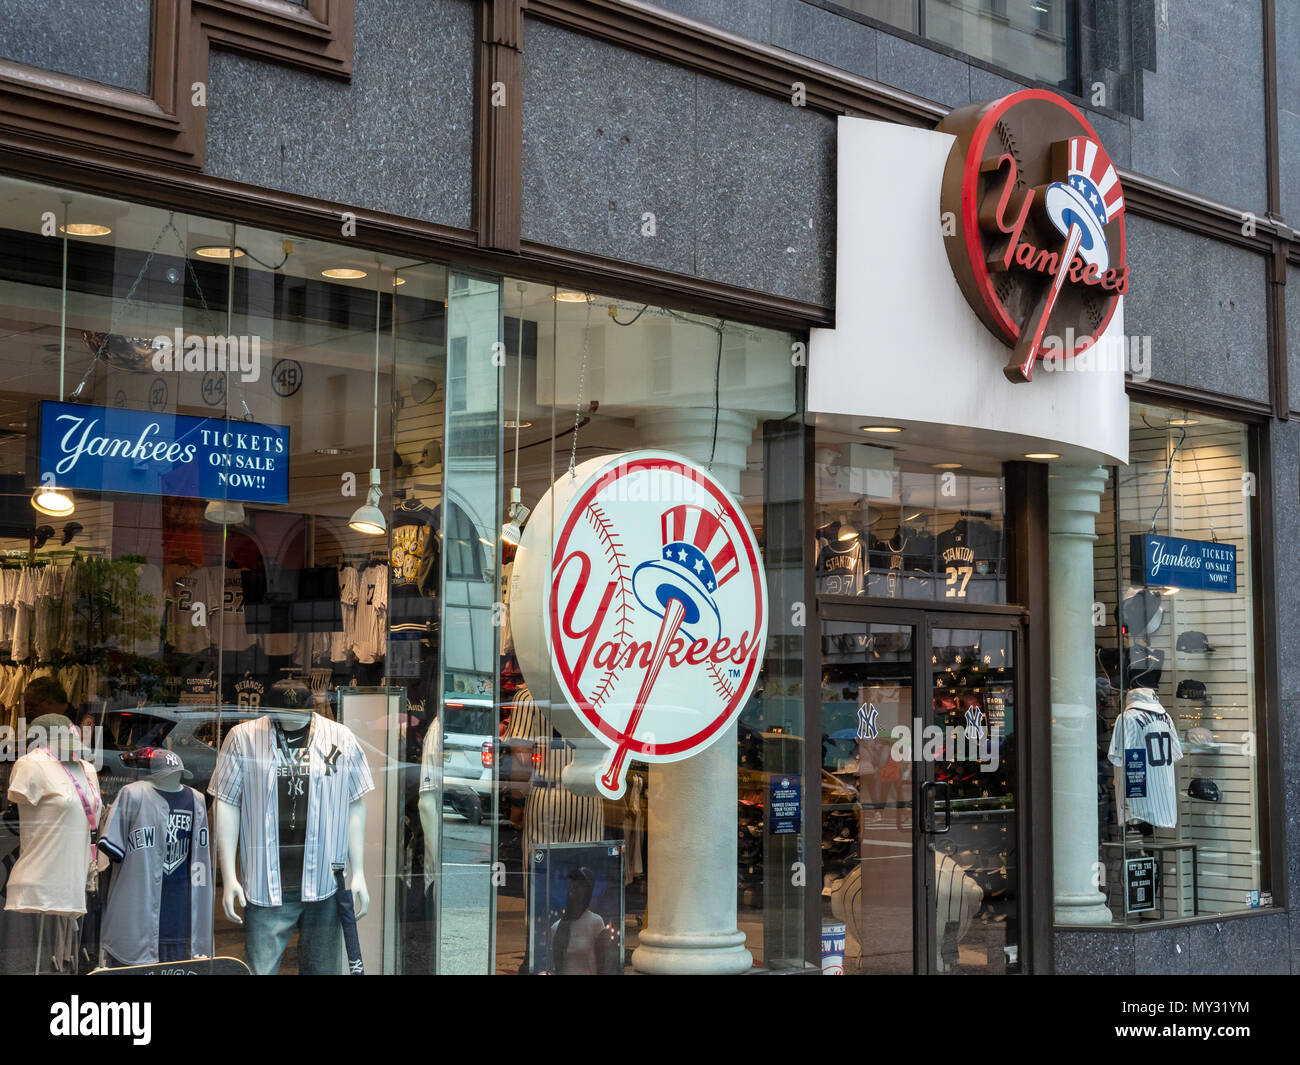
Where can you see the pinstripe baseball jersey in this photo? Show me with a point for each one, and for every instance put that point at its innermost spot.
(246, 776)
(1144, 747)
(552, 814)
(138, 835)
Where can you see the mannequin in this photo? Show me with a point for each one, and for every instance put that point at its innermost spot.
(160, 902)
(302, 776)
(58, 800)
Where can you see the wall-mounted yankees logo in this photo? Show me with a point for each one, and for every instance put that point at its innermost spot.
(867, 727)
(1039, 244)
(654, 605)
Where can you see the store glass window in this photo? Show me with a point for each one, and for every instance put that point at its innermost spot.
(215, 564)
(664, 569)
(1179, 709)
(1034, 38)
(892, 528)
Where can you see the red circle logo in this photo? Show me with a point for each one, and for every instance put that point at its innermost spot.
(1038, 241)
(656, 607)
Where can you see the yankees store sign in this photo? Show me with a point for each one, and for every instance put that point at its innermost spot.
(641, 604)
(1038, 241)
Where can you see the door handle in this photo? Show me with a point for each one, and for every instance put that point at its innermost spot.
(947, 805)
(929, 796)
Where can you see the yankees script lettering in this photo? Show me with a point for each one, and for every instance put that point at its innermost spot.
(653, 609)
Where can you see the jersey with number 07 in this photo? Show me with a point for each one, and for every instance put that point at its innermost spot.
(1154, 735)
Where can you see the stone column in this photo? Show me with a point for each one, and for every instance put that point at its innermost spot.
(1074, 494)
(691, 842)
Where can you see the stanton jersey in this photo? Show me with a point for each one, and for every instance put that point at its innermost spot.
(1144, 748)
(841, 568)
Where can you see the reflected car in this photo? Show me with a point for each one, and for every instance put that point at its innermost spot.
(469, 750)
(195, 733)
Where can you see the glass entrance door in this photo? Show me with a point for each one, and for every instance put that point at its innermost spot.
(919, 716)
(869, 701)
(967, 771)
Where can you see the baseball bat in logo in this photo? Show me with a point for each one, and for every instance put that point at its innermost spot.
(653, 610)
(1039, 248)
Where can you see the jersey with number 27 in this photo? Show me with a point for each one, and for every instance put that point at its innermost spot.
(1154, 735)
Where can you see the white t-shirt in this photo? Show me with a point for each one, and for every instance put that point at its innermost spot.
(54, 862)
(1152, 733)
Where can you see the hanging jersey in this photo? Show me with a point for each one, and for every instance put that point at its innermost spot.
(234, 625)
(1144, 747)
(841, 568)
(370, 642)
(183, 591)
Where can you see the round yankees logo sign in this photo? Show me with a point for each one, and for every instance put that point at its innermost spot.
(1038, 246)
(653, 608)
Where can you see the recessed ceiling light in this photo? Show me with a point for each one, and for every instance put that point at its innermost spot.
(512, 424)
(881, 428)
(85, 229)
(398, 281)
(333, 451)
(946, 466)
(1041, 455)
(570, 297)
(1183, 421)
(17, 425)
(343, 273)
(219, 251)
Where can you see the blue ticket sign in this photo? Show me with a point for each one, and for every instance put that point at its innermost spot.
(1201, 565)
(106, 449)
(784, 806)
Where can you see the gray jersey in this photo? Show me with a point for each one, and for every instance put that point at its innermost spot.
(136, 836)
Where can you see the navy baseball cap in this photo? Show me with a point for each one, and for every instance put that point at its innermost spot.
(162, 761)
(1203, 789)
(1194, 640)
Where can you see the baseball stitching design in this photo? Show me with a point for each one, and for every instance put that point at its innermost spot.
(617, 558)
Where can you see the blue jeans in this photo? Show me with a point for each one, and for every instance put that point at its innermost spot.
(320, 936)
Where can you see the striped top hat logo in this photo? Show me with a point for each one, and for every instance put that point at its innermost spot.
(648, 584)
(1037, 242)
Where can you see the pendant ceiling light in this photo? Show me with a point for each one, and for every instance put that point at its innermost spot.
(368, 518)
(49, 498)
(224, 512)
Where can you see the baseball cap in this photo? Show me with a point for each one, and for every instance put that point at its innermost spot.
(1203, 789)
(1195, 641)
(162, 761)
(1192, 689)
(1200, 734)
(1143, 699)
(1142, 613)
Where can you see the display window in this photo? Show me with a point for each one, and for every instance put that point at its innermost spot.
(278, 688)
(1180, 764)
(648, 738)
(209, 543)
